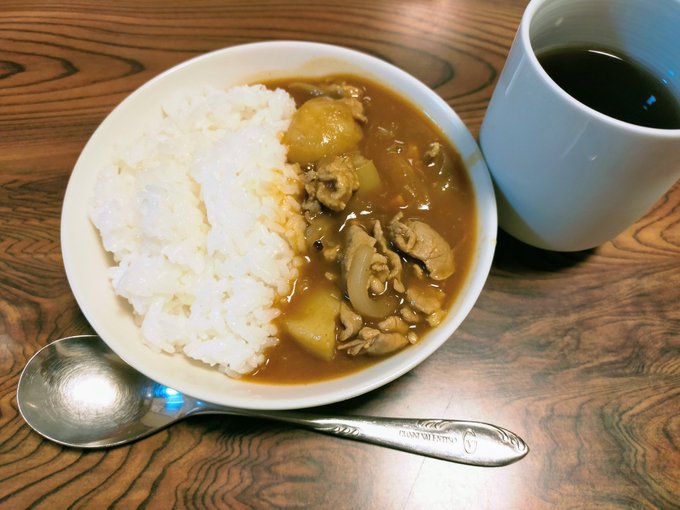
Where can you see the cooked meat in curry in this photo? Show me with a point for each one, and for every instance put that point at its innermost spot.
(390, 229)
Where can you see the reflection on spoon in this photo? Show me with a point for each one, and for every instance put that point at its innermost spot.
(79, 393)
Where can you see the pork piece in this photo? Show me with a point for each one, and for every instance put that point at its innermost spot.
(350, 95)
(409, 315)
(310, 205)
(357, 108)
(356, 236)
(340, 90)
(345, 92)
(385, 265)
(435, 157)
(393, 324)
(393, 261)
(433, 152)
(435, 319)
(419, 240)
(351, 322)
(374, 342)
(427, 300)
(332, 183)
(330, 253)
(380, 269)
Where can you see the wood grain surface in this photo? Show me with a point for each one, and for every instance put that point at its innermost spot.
(577, 353)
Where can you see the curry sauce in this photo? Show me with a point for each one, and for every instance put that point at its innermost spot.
(422, 176)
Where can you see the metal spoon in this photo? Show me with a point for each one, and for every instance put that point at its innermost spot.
(79, 393)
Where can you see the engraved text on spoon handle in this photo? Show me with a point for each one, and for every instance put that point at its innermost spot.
(467, 442)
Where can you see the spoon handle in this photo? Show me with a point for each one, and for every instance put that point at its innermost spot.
(467, 442)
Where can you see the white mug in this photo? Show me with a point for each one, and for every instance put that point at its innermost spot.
(568, 177)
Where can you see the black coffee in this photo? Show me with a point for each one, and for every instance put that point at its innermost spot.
(614, 85)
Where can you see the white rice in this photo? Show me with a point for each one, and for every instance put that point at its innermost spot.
(202, 217)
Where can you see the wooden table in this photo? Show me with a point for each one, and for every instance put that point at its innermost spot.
(578, 353)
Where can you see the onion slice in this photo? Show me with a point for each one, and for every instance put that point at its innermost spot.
(357, 286)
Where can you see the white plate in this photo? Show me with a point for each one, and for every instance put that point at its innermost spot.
(86, 261)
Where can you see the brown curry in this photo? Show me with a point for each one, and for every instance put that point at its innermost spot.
(391, 222)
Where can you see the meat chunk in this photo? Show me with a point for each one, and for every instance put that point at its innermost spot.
(393, 324)
(344, 90)
(393, 261)
(427, 300)
(349, 94)
(382, 267)
(355, 237)
(351, 322)
(357, 108)
(330, 253)
(409, 315)
(374, 342)
(419, 240)
(433, 152)
(333, 182)
(391, 335)
(310, 205)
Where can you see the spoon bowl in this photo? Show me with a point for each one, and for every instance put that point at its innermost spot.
(77, 392)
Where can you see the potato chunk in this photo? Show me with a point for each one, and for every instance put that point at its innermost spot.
(313, 327)
(322, 127)
(369, 178)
